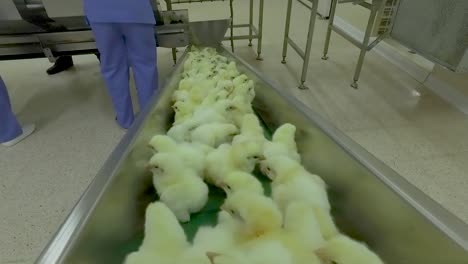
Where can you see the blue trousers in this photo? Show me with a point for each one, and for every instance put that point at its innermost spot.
(9, 127)
(125, 45)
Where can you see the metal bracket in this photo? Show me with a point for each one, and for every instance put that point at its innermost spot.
(47, 50)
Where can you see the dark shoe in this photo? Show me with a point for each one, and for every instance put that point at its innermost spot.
(61, 64)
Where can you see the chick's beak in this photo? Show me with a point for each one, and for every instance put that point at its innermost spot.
(212, 256)
(148, 167)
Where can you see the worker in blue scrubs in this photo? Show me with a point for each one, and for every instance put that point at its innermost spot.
(10, 130)
(124, 34)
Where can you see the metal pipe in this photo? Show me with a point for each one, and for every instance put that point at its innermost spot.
(310, 35)
(329, 29)
(240, 37)
(296, 47)
(365, 44)
(286, 31)
(251, 22)
(260, 30)
(232, 24)
(305, 5)
(348, 37)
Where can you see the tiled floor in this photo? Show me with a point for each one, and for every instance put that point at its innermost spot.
(421, 137)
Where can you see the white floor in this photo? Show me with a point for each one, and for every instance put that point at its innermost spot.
(421, 137)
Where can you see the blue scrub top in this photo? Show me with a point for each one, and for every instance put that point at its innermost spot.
(119, 11)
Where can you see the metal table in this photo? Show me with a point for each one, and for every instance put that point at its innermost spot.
(287, 40)
(374, 6)
(254, 32)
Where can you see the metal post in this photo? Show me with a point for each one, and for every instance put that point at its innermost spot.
(174, 50)
(260, 30)
(232, 24)
(286, 31)
(364, 45)
(251, 22)
(310, 35)
(329, 29)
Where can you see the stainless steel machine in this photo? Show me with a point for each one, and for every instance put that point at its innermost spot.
(370, 201)
(51, 28)
(435, 29)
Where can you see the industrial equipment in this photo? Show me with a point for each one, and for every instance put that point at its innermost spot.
(255, 32)
(287, 40)
(370, 201)
(438, 33)
(51, 28)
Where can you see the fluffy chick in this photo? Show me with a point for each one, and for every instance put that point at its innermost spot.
(283, 143)
(214, 134)
(181, 189)
(192, 154)
(258, 214)
(344, 250)
(251, 130)
(164, 237)
(301, 222)
(183, 110)
(219, 238)
(241, 181)
(292, 183)
(264, 252)
(228, 158)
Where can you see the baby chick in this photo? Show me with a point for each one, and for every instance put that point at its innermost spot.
(237, 109)
(344, 250)
(292, 183)
(183, 111)
(283, 143)
(164, 237)
(241, 181)
(181, 189)
(214, 134)
(263, 252)
(258, 214)
(301, 222)
(251, 130)
(192, 154)
(227, 158)
(219, 238)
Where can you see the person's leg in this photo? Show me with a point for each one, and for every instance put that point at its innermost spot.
(115, 70)
(141, 50)
(9, 126)
(61, 64)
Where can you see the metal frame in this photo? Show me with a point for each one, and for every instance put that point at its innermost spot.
(375, 6)
(432, 214)
(305, 55)
(255, 32)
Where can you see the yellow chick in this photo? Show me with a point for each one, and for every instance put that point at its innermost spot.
(219, 238)
(251, 130)
(164, 237)
(264, 252)
(214, 96)
(292, 183)
(344, 250)
(258, 214)
(227, 158)
(283, 143)
(181, 132)
(181, 189)
(301, 222)
(183, 111)
(238, 108)
(241, 181)
(214, 134)
(192, 154)
(209, 114)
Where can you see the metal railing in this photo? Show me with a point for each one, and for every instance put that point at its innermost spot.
(255, 32)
